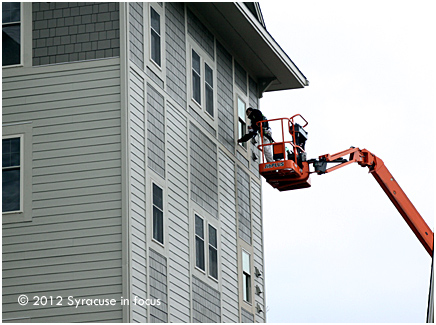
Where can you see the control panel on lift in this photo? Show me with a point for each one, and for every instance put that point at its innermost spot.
(289, 169)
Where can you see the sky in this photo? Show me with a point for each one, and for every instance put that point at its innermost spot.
(340, 251)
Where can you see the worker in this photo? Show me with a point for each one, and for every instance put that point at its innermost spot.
(255, 115)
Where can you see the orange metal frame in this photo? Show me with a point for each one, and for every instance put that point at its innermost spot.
(284, 174)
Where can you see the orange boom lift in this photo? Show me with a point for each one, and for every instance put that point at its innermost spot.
(290, 171)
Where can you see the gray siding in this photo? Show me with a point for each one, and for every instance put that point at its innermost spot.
(158, 287)
(74, 31)
(156, 131)
(252, 88)
(136, 33)
(204, 189)
(206, 302)
(175, 52)
(246, 316)
(225, 98)
(229, 253)
(73, 244)
(258, 246)
(244, 217)
(209, 128)
(178, 215)
(137, 194)
(240, 77)
(201, 34)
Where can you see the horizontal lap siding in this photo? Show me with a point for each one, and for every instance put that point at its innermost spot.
(178, 220)
(72, 246)
(137, 194)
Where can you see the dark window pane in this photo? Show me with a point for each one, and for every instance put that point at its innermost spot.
(213, 262)
(209, 100)
(196, 62)
(157, 196)
(10, 12)
(11, 45)
(212, 236)
(155, 21)
(199, 226)
(11, 190)
(196, 87)
(155, 47)
(199, 253)
(11, 152)
(208, 75)
(158, 225)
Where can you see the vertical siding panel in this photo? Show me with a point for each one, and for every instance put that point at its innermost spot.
(179, 268)
(137, 191)
(258, 246)
(136, 34)
(230, 300)
(156, 131)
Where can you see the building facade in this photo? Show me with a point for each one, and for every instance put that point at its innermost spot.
(125, 195)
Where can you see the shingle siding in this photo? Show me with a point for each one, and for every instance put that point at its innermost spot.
(158, 288)
(225, 98)
(76, 31)
(136, 21)
(206, 302)
(175, 52)
(204, 189)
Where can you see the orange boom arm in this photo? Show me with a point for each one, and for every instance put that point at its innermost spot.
(387, 182)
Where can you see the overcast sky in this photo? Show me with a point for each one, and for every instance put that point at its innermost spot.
(339, 251)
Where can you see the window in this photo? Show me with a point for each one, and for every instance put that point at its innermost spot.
(201, 226)
(241, 121)
(196, 77)
(11, 175)
(208, 89)
(199, 243)
(158, 232)
(155, 37)
(213, 253)
(246, 276)
(11, 35)
(202, 82)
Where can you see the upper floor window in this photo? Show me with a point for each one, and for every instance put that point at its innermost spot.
(202, 83)
(158, 220)
(155, 36)
(242, 125)
(11, 35)
(212, 244)
(11, 175)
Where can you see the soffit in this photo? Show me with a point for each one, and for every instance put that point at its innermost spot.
(249, 42)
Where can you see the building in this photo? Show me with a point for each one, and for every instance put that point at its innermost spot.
(122, 178)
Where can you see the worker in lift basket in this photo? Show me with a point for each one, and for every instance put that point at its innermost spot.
(255, 115)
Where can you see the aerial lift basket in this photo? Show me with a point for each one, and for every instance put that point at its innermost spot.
(289, 170)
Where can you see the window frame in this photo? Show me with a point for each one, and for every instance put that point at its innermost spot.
(150, 35)
(155, 240)
(24, 132)
(210, 246)
(242, 132)
(21, 168)
(21, 38)
(205, 59)
(206, 245)
(247, 279)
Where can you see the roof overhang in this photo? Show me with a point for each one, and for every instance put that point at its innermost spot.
(249, 42)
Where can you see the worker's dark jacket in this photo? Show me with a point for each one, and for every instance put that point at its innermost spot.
(255, 116)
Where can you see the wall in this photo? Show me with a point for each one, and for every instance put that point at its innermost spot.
(72, 246)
